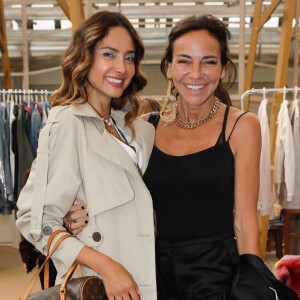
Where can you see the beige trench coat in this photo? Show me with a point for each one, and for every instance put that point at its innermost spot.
(78, 159)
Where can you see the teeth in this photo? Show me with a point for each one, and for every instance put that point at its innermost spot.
(113, 80)
(194, 87)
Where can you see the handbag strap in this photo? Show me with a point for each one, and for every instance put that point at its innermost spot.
(65, 281)
(35, 277)
(46, 268)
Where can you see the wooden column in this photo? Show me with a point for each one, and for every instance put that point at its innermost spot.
(257, 24)
(4, 51)
(282, 68)
(242, 47)
(25, 48)
(297, 46)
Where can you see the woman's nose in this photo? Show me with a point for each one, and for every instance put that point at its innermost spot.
(197, 72)
(120, 66)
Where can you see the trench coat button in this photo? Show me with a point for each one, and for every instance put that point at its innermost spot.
(47, 230)
(96, 236)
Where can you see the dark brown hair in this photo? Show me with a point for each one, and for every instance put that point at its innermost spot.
(78, 61)
(148, 105)
(218, 30)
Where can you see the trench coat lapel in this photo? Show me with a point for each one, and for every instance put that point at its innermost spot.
(110, 149)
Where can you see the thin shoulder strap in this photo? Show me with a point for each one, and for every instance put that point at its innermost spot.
(222, 135)
(236, 122)
(154, 118)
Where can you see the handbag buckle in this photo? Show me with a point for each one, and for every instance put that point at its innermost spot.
(35, 237)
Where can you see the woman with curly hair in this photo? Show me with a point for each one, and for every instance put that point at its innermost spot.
(91, 151)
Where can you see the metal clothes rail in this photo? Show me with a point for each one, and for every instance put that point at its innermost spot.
(264, 90)
(25, 95)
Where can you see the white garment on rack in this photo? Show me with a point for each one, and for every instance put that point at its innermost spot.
(284, 158)
(265, 201)
(12, 155)
(295, 118)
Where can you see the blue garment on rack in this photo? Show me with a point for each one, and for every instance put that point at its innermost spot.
(4, 135)
(36, 122)
(5, 207)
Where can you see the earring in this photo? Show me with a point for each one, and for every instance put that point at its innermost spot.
(168, 108)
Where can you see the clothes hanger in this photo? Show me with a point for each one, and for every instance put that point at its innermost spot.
(264, 93)
(42, 96)
(3, 96)
(36, 96)
(284, 94)
(296, 94)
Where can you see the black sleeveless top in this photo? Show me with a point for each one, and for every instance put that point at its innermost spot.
(193, 195)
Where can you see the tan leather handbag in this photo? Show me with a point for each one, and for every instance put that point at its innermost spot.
(81, 288)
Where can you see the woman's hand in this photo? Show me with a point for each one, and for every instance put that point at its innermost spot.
(77, 218)
(118, 282)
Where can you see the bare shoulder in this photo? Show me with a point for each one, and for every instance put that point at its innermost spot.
(246, 133)
(245, 122)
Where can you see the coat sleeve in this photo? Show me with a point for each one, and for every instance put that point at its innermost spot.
(52, 188)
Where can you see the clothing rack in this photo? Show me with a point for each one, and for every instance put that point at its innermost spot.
(264, 90)
(33, 95)
(264, 220)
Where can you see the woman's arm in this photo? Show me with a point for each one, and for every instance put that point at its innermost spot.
(52, 187)
(246, 144)
(119, 283)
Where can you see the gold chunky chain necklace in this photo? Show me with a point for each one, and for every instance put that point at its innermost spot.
(191, 125)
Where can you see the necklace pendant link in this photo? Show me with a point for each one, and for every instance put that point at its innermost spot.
(192, 125)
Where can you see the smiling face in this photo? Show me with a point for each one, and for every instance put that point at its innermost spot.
(196, 66)
(113, 65)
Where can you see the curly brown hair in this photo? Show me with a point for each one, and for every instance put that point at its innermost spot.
(78, 60)
(218, 30)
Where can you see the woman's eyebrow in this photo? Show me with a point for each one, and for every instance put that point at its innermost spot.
(116, 50)
(184, 55)
(110, 48)
(210, 56)
(204, 57)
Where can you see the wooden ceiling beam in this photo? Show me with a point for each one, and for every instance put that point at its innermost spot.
(65, 7)
(267, 13)
(74, 11)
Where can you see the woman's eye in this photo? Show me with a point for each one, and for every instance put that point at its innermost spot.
(130, 58)
(210, 62)
(109, 54)
(182, 61)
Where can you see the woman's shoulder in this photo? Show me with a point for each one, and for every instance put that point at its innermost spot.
(242, 118)
(243, 125)
(61, 114)
(61, 119)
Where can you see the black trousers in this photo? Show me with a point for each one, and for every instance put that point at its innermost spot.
(195, 269)
(52, 273)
